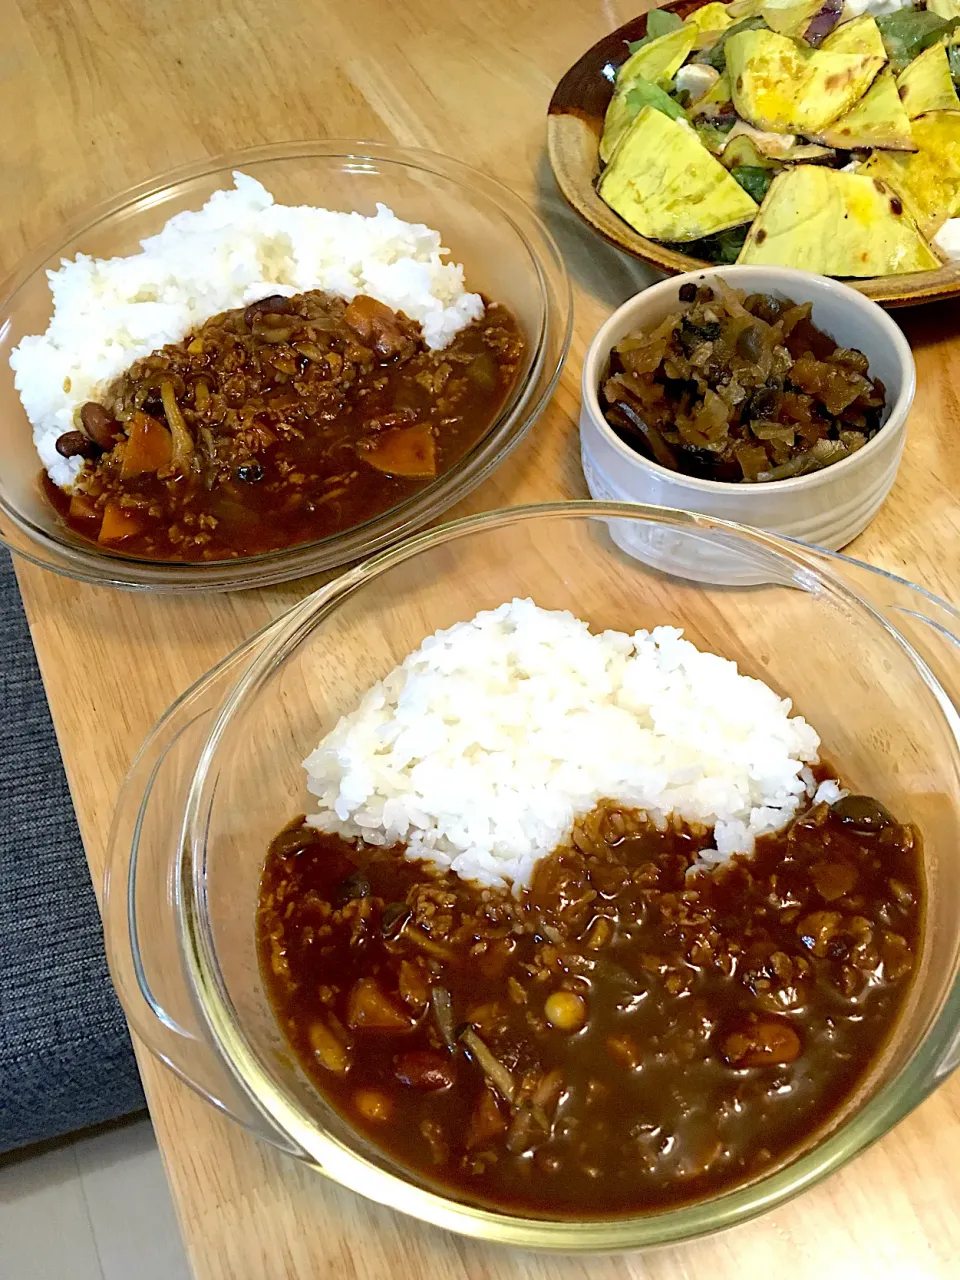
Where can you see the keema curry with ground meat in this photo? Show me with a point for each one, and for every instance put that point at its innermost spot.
(631, 1032)
(282, 423)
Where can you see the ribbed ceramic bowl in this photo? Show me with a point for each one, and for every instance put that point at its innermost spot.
(829, 507)
(507, 254)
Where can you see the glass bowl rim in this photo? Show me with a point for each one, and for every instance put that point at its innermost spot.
(912, 1083)
(525, 404)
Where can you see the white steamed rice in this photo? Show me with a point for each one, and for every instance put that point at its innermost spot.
(239, 247)
(485, 744)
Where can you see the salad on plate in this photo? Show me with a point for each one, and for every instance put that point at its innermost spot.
(816, 134)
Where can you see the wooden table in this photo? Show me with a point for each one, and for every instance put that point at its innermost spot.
(98, 94)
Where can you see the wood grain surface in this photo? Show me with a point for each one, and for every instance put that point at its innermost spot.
(98, 94)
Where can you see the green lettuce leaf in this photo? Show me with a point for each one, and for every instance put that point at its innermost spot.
(659, 22)
(908, 32)
(713, 139)
(646, 94)
(722, 248)
(716, 56)
(755, 181)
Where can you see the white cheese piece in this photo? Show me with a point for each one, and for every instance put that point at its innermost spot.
(696, 79)
(768, 144)
(854, 8)
(947, 239)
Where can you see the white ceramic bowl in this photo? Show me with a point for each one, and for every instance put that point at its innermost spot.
(829, 507)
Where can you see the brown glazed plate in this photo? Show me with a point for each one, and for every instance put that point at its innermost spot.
(574, 125)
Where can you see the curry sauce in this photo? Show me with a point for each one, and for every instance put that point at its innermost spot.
(629, 1034)
(282, 423)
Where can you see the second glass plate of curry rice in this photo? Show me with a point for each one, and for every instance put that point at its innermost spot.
(575, 938)
(275, 379)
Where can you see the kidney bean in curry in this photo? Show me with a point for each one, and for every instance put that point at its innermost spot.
(627, 1035)
(286, 422)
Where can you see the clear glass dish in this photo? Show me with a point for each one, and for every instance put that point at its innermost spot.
(506, 251)
(871, 661)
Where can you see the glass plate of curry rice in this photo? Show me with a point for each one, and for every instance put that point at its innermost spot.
(591, 894)
(582, 925)
(264, 391)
